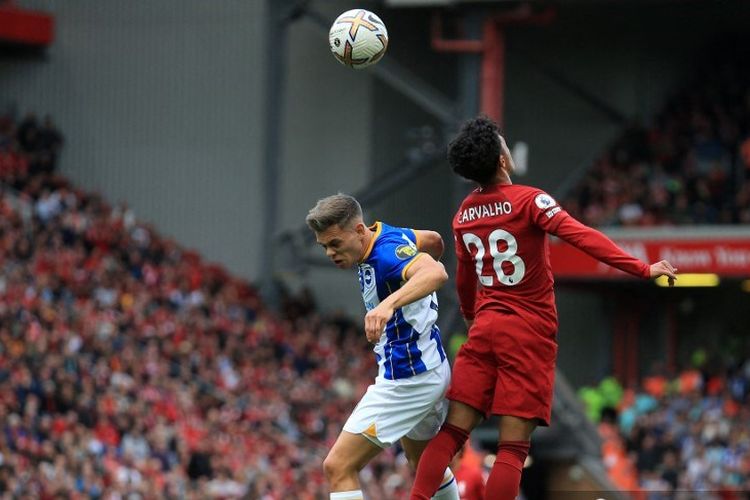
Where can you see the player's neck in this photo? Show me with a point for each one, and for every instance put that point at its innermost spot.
(502, 178)
(366, 240)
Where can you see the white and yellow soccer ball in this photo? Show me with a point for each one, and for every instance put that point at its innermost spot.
(358, 38)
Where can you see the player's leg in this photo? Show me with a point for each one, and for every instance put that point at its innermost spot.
(359, 442)
(470, 396)
(388, 411)
(463, 416)
(349, 454)
(428, 425)
(413, 450)
(434, 461)
(514, 439)
(523, 399)
(448, 489)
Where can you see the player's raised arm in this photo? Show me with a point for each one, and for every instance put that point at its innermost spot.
(423, 275)
(430, 242)
(605, 250)
(548, 215)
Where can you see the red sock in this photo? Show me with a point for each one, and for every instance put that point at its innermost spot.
(435, 460)
(505, 478)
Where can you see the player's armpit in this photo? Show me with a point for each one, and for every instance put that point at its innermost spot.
(430, 242)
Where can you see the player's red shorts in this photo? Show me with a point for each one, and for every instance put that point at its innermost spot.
(507, 367)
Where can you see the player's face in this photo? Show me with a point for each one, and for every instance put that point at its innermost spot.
(506, 160)
(342, 245)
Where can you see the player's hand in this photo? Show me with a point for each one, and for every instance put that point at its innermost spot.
(375, 321)
(664, 268)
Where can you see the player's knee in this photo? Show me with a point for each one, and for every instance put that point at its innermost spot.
(336, 467)
(516, 428)
(330, 466)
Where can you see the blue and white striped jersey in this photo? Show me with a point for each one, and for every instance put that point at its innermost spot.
(411, 342)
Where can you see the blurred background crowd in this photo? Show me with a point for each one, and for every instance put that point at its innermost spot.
(691, 166)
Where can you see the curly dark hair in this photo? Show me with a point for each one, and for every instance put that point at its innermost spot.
(475, 152)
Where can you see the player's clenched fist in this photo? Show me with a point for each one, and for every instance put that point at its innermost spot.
(664, 268)
(376, 320)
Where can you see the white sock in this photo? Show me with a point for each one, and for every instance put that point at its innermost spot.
(348, 495)
(448, 488)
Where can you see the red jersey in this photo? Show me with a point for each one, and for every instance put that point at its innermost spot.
(501, 241)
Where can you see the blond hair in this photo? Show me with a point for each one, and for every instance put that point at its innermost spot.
(338, 209)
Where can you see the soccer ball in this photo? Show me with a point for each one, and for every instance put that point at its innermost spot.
(358, 38)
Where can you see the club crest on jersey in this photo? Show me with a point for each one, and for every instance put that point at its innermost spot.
(544, 201)
(366, 278)
(404, 252)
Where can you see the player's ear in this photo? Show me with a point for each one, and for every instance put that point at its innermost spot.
(504, 159)
(360, 228)
(502, 163)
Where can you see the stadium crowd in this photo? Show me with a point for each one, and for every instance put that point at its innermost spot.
(129, 368)
(692, 166)
(690, 433)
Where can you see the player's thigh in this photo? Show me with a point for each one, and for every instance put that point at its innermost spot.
(428, 423)
(525, 371)
(390, 410)
(474, 372)
(463, 416)
(351, 452)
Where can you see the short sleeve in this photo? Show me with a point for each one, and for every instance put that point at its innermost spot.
(410, 234)
(397, 255)
(545, 212)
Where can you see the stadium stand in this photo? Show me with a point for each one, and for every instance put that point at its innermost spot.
(691, 166)
(689, 433)
(129, 368)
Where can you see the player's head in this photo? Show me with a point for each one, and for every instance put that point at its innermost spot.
(339, 228)
(479, 152)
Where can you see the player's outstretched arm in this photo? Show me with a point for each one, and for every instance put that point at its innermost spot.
(600, 247)
(430, 242)
(424, 276)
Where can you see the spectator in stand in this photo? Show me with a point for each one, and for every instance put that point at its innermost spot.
(130, 368)
(691, 167)
(50, 145)
(695, 435)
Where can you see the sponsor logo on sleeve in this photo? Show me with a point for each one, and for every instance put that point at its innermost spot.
(404, 252)
(549, 213)
(544, 201)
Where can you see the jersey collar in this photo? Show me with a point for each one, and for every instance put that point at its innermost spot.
(377, 227)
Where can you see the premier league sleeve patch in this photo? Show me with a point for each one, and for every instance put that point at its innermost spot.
(404, 252)
(544, 201)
